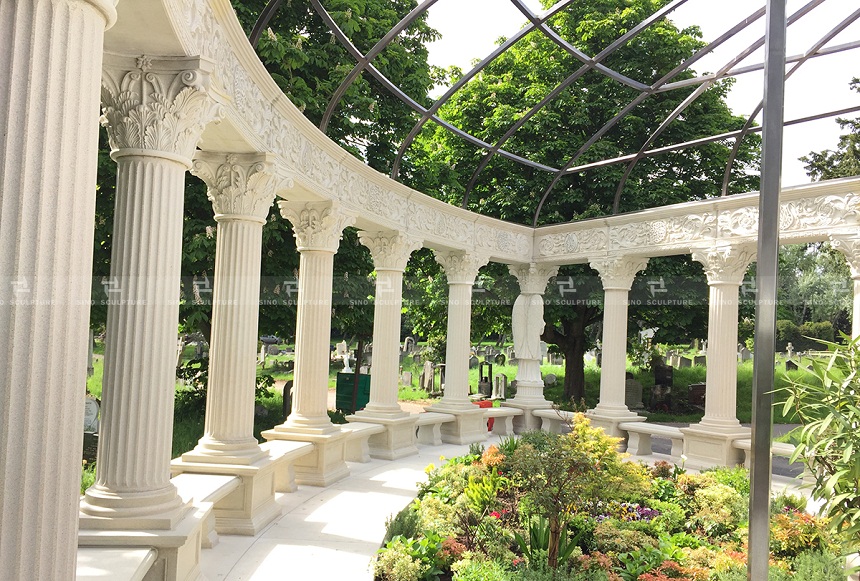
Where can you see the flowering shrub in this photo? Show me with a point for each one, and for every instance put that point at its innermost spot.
(793, 532)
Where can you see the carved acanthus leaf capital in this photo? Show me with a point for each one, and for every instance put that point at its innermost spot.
(725, 264)
(390, 249)
(157, 104)
(460, 267)
(533, 277)
(618, 272)
(849, 246)
(316, 225)
(240, 186)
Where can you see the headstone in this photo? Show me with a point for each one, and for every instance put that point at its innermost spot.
(427, 377)
(790, 365)
(664, 375)
(789, 350)
(745, 354)
(406, 378)
(544, 349)
(500, 385)
(273, 350)
(263, 355)
(408, 345)
(705, 346)
(632, 393)
(695, 345)
(684, 362)
(364, 370)
(416, 358)
(500, 359)
(550, 379)
(700, 360)
(341, 349)
(696, 394)
(473, 362)
(91, 415)
(589, 356)
(675, 360)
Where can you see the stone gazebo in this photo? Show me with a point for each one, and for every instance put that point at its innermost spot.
(182, 90)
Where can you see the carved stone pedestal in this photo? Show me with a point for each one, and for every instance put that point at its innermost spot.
(326, 464)
(705, 446)
(398, 439)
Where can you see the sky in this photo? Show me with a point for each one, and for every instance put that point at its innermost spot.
(470, 28)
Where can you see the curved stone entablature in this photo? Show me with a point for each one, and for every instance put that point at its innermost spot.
(807, 213)
(258, 117)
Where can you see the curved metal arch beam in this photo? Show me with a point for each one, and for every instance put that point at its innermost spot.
(383, 42)
(265, 16)
(430, 114)
(575, 52)
(641, 97)
(705, 140)
(813, 50)
(409, 101)
(692, 98)
(620, 41)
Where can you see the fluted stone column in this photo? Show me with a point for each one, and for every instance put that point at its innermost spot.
(242, 189)
(461, 268)
(849, 246)
(390, 251)
(155, 111)
(527, 324)
(318, 227)
(50, 66)
(616, 274)
(710, 441)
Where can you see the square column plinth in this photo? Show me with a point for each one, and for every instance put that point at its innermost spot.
(178, 549)
(323, 466)
(469, 425)
(250, 507)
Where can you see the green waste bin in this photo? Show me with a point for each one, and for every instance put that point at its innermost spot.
(344, 392)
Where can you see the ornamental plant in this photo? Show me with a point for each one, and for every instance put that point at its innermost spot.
(830, 440)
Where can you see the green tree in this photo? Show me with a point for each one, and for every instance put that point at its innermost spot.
(442, 164)
(845, 160)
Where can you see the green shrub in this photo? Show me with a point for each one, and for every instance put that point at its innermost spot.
(736, 477)
(405, 523)
(792, 532)
(785, 500)
(671, 518)
(88, 476)
(720, 509)
(396, 562)
(612, 539)
(818, 566)
(472, 570)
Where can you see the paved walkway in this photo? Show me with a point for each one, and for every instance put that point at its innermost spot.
(327, 534)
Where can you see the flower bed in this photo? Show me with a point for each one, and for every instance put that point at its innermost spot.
(569, 507)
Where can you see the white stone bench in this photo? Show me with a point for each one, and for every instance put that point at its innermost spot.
(639, 437)
(357, 448)
(116, 564)
(429, 427)
(552, 420)
(776, 448)
(285, 453)
(504, 419)
(205, 488)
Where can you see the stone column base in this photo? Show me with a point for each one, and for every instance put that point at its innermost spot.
(249, 508)
(706, 446)
(527, 422)
(609, 420)
(468, 427)
(322, 467)
(178, 549)
(397, 441)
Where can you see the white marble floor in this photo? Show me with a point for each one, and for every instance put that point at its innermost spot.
(327, 534)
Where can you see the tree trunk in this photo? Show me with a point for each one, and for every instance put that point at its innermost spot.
(554, 538)
(574, 371)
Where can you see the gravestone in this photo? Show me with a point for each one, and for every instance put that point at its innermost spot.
(696, 394)
(273, 350)
(427, 377)
(700, 360)
(745, 354)
(91, 415)
(408, 345)
(262, 360)
(664, 375)
(544, 349)
(684, 362)
(632, 393)
(500, 385)
(406, 378)
(790, 365)
(550, 379)
(789, 350)
(500, 359)
(473, 362)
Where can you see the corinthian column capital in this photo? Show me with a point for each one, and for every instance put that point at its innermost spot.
(390, 249)
(533, 277)
(725, 264)
(849, 246)
(157, 104)
(618, 272)
(460, 267)
(316, 225)
(240, 186)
